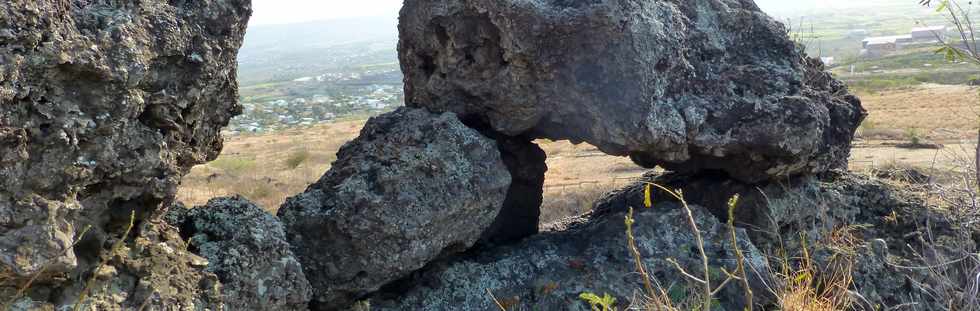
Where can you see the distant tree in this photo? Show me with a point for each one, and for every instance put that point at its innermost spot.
(966, 49)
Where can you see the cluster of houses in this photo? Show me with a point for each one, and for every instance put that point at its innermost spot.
(279, 114)
(878, 46)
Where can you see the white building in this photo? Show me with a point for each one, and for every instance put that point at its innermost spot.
(827, 61)
(876, 46)
(929, 34)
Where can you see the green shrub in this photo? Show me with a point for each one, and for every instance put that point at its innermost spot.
(913, 136)
(234, 166)
(297, 158)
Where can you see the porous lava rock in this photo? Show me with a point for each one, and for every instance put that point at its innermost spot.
(688, 85)
(549, 271)
(900, 248)
(246, 248)
(150, 269)
(104, 106)
(414, 186)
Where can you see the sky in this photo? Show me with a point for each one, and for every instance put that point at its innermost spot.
(267, 12)
(293, 11)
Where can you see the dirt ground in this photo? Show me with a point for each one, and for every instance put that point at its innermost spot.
(269, 168)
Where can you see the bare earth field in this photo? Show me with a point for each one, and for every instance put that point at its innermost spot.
(268, 168)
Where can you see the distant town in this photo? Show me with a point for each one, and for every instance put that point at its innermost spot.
(311, 100)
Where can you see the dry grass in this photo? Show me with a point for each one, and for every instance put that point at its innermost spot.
(938, 111)
(269, 168)
(798, 285)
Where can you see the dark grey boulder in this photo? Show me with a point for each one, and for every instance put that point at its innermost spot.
(898, 231)
(104, 106)
(413, 187)
(550, 270)
(246, 248)
(688, 85)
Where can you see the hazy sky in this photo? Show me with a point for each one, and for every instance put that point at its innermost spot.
(291, 11)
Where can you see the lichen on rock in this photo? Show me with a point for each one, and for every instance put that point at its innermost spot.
(246, 248)
(588, 254)
(413, 187)
(690, 85)
(104, 106)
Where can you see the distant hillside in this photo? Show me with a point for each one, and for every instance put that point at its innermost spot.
(274, 53)
(788, 9)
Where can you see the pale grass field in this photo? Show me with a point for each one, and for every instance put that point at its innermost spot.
(936, 111)
(257, 166)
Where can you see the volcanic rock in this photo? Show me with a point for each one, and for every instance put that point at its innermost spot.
(413, 187)
(881, 231)
(150, 269)
(551, 270)
(104, 106)
(246, 248)
(688, 85)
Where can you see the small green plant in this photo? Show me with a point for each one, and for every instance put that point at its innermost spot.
(603, 303)
(297, 158)
(913, 136)
(234, 166)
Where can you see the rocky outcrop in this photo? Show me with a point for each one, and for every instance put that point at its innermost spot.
(688, 85)
(889, 233)
(413, 187)
(246, 248)
(150, 270)
(104, 106)
(550, 270)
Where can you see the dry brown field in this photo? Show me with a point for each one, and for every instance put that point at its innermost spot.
(268, 168)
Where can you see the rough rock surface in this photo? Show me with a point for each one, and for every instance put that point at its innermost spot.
(104, 105)
(550, 270)
(687, 84)
(246, 248)
(413, 187)
(897, 232)
(151, 270)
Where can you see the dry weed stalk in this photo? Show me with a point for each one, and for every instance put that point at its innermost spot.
(102, 263)
(705, 281)
(27, 285)
(740, 268)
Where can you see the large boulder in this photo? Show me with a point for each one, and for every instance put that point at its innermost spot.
(246, 248)
(901, 248)
(687, 84)
(104, 106)
(589, 254)
(413, 187)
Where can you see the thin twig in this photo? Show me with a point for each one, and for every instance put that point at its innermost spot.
(105, 260)
(23, 288)
(494, 298)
